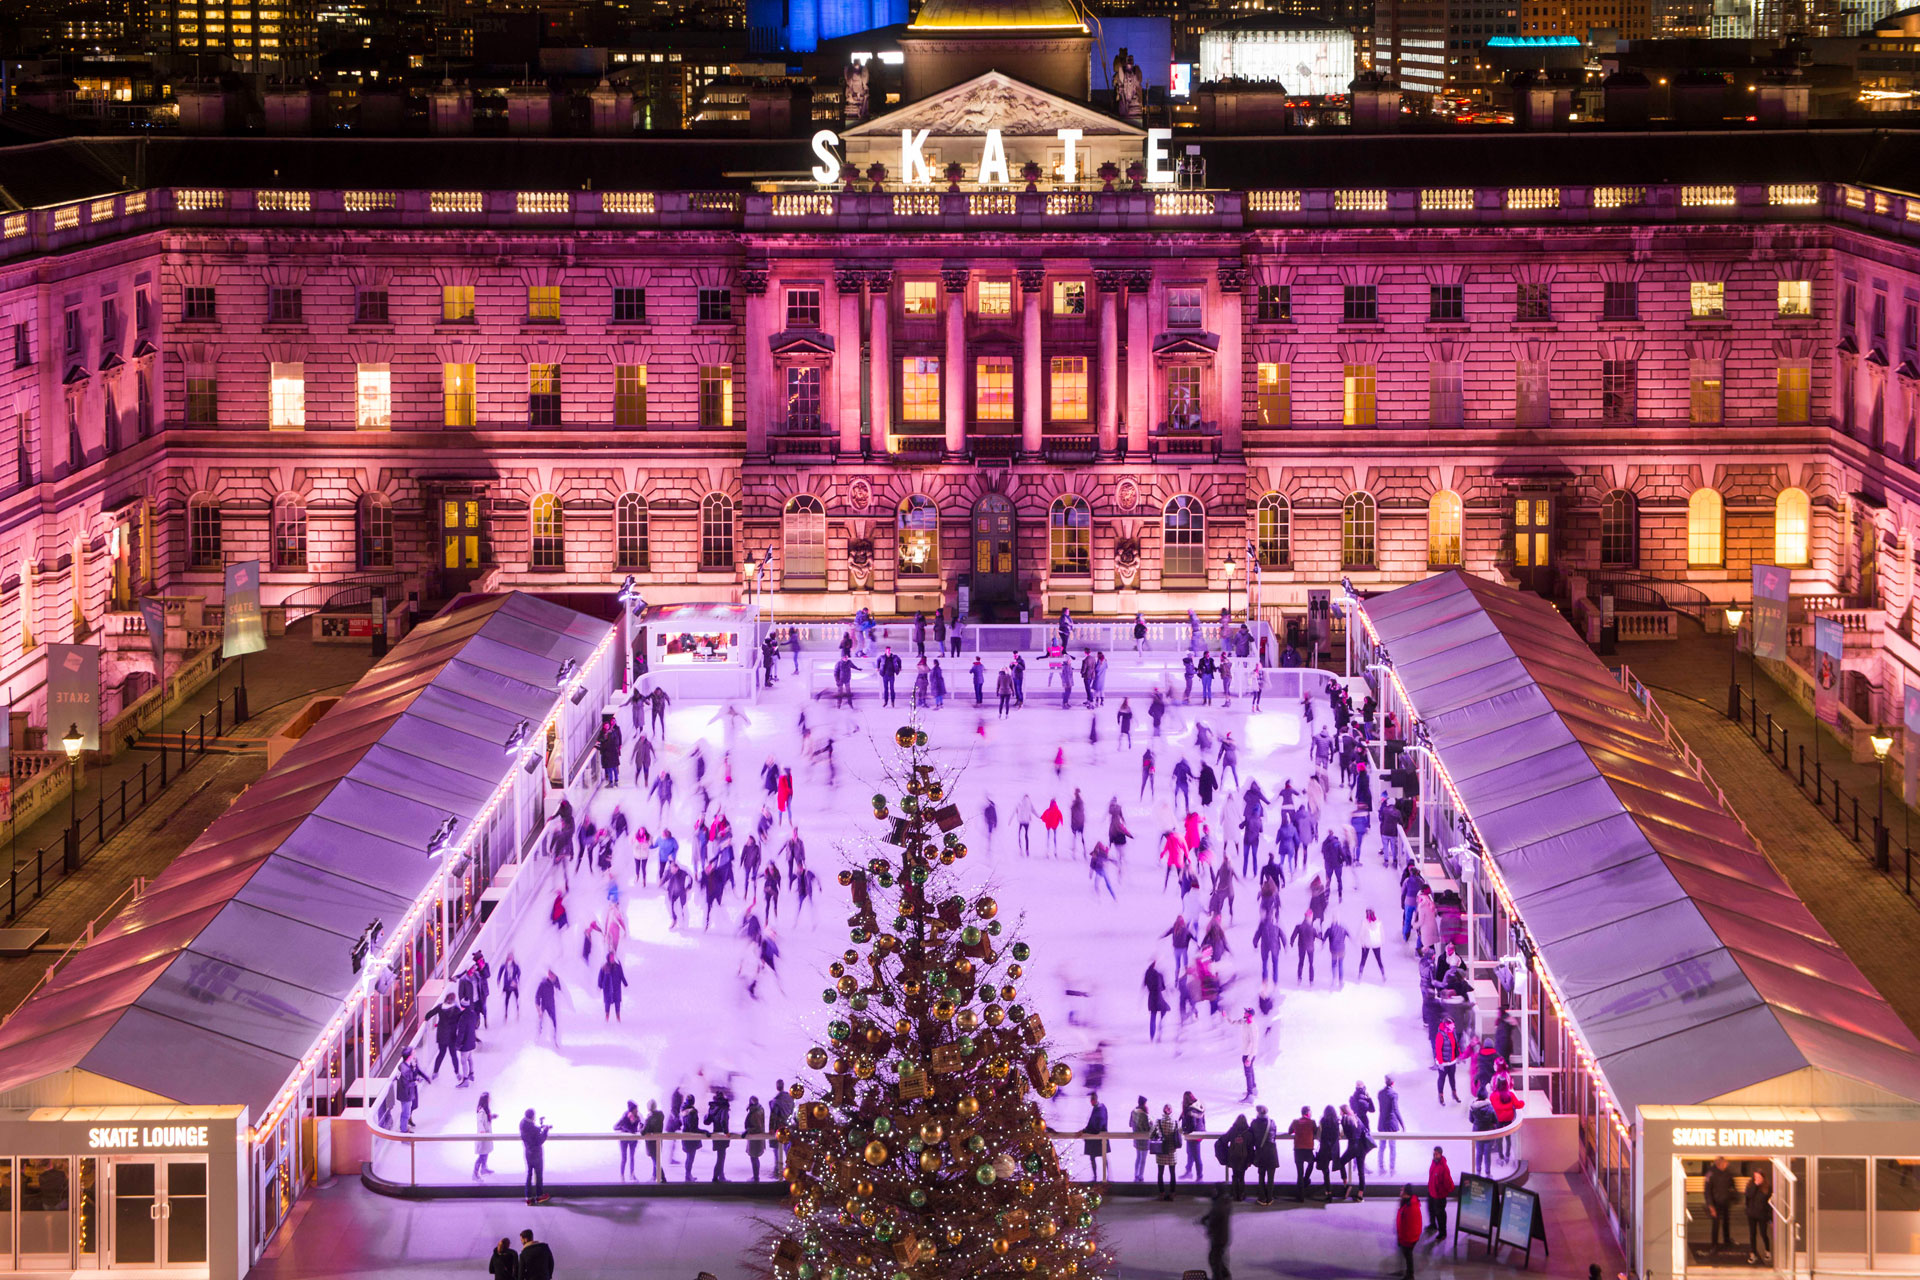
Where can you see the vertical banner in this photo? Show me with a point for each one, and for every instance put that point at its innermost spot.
(1828, 642)
(1910, 782)
(73, 694)
(1771, 584)
(245, 632)
(155, 614)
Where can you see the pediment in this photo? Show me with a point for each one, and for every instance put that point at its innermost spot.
(801, 342)
(111, 363)
(77, 374)
(1189, 345)
(994, 100)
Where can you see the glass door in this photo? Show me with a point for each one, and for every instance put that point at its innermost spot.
(46, 1214)
(1786, 1194)
(1533, 541)
(183, 1213)
(460, 539)
(136, 1213)
(159, 1213)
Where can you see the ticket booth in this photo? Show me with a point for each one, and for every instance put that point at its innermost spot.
(700, 652)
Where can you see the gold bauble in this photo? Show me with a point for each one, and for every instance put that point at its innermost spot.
(1014, 971)
(875, 1035)
(929, 1161)
(836, 968)
(886, 942)
(1087, 1247)
(1073, 1268)
(794, 1188)
(1038, 1121)
(863, 1188)
(796, 1091)
(960, 851)
(1029, 1262)
(816, 1057)
(1048, 1229)
(943, 1010)
(1062, 1074)
(911, 987)
(967, 1107)
(801, 1208)
(850, 955)
(862, 1259)
(1009, 993)
(987, 908)
(876, 1152)
(955, 1235)
(963, 967)
(1026, 1187)
(864, 1068)
(847, 985)
(999, 1068)
(930, 1131)
(1001, 1245)
(946, 859)
(995, 1015)
(843, 1064)
(968, 1020)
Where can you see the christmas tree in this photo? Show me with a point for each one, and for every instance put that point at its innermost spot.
(920, 1151)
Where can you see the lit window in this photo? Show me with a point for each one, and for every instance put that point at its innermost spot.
(1183, 395)
(1273, 531)
(1445, 518)
(1070, 537)
(1273, 394)
(543, 302)
(920, 389)
(803, 539)
(1708, 299)
(803, 308)
(1619, 530)
(1703, 397)
(1184, 307)
(993, 389)
(1356, 394)
(630, 532)
(803, 399)
(716, 395)
(543, 395)
(289, 532)
(1792, 525)
(456, 304)
(1703, 529)
(1183, 553)
(1793, 392)
(1069, 297)
(1796, 297)
(287, 385)
(716, 532)
(995, 298)
(549, 546)
(1356, 531)
(920, 298)
(918, 536)
(629, 395)
(457, 386)
(1067, 389)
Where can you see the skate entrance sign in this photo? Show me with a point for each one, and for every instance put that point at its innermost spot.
(1475, 1210)
(1521, 1222)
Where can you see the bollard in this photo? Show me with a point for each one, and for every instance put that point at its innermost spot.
(1856, 819)
(1769, 735)
(1803, 766)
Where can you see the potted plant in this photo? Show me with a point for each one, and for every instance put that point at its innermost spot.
(955, 171)
(1031, 171)
(1108, 173)
(877, 174)
(1137, 173)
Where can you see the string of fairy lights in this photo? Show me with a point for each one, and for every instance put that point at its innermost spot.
(916, 1152)
(1588, 1061)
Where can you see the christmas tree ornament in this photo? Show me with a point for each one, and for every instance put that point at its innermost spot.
(994, 928)
(986, 908)
(994, 1015)
(955, 1235)
(929, 1161)
(829, 995)
(1021, 951)
(967, 1107)
(967, 1020)
(816, 1058)
(976, 1143)
(1002, 1245)
(876, 1152)
(1028, 1262)
(999, 1068)
(1015, 971)
(863, 1188)
(882, 1126)
(903, 736)
(930, 1131)
(984, 1175)
(1062, 1075)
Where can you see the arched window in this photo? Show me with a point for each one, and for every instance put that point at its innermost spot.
(918, 536)
(803, 538)
(203, 532)
(630, 532)
(1273, 531)
(1705, 543)
(1619, 530)
(1184, 547)
(549, 550)
(1070, 537)
(1792, 527)
(376, 531)
(1356, 531)
(716, 532)
(289, 532)
(1446, 517)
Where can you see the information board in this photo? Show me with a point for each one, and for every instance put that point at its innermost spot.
(1475, 1208)
(1521, 1222)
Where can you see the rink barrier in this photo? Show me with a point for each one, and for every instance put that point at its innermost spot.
(1128, 676)
(508, 1172)
(1114, 636)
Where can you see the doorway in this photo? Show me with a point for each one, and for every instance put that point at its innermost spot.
(159, 1212)
(995, 584)
(460, 542)
(1533, 541)
(1741, 1244)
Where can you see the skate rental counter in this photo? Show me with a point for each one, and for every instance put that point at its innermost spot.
(702, 652)
(176, 1085)
(1677, 1002)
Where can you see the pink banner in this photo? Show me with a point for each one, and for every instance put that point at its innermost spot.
(1828, 645)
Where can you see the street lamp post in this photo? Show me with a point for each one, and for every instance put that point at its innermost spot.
(1230, 569)
(73, 741)
(1734, 614)
(1882, 743)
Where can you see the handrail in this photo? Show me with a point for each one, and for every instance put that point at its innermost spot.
(1680, 597)
(318, 596)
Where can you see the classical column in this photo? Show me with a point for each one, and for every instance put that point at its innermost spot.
(846, 361)
(1032, 384)
(761, 396)
(1107, 399)
(880, 366)
(954, 281)
(1139, 362)
(1230, 379)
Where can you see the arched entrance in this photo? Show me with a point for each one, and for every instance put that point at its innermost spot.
(995, 586)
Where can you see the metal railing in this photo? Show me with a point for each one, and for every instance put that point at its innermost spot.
(111, 811)
(445, 1161)
(1834, 802)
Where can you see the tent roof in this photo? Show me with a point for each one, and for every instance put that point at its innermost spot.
(1691, 968)
(210, 987)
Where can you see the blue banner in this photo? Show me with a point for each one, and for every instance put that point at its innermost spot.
(1771, 585)
(245, 632)
(1829, 643)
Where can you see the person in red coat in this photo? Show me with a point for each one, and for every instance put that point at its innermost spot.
(1440, 1186)
(1407, 1229)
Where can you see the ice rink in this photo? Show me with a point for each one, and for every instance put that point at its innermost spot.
(689, 1020)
